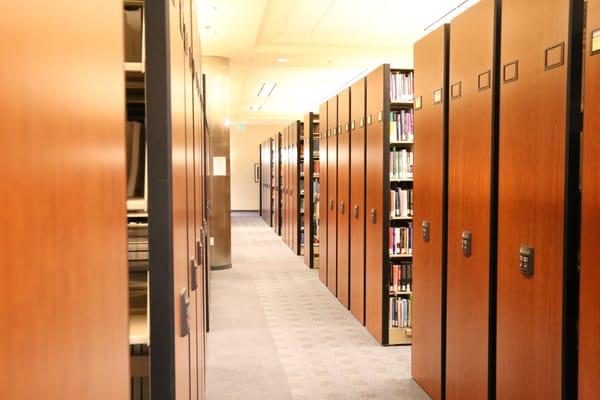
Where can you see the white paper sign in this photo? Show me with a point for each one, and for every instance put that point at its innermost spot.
(219, 166)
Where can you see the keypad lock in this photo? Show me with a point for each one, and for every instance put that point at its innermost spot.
(526, 261)
(331, 204)
(425, 231)
(373, 215)
(342, 207)
(356, 211)
(466, 240)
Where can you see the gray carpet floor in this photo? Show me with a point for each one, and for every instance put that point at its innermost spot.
(277, 333)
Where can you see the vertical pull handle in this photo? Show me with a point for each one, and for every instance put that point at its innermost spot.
(342, 207)
(331, 204)
(373, 215)
(194, 273)
(356, 211)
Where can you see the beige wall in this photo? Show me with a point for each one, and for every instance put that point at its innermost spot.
(245, 140)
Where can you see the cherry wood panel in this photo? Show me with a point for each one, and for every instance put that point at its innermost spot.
(589, 309)
(323, 192)
(190, 194)
(531, 203)
(179, 205)
(470, 160)
(429, 176)
(64, 257)
(376, 160)
(343, 204)
(332, 186)
(357, 200)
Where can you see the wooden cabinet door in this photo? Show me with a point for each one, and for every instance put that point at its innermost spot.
(470, 159)
(535, 196)
(323, 193)
(374, 187)
(429, 199)
(63, 261)
(332, 184)
(343, 204)
(356, 206)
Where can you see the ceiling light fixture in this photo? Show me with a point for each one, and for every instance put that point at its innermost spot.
(266, 89)
(450, 14)
(255, 108)
(282, 60)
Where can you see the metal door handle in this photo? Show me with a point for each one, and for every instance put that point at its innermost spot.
(356, 210)
(331, 204)
(342, 207)
(373, 215)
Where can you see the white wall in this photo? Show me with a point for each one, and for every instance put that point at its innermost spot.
(245, 140)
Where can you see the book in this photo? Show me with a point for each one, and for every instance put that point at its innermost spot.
(400, 240)
(401, 126)
(400, 312)
(401, 203)
(401, 87)
(401, 164)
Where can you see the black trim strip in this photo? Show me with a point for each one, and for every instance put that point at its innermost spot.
(445, 205)
(160, 202)
(572, 210)
(493, 267)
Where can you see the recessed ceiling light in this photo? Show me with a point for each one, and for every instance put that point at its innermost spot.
(255, 108)
(282, 60)
(266, 89)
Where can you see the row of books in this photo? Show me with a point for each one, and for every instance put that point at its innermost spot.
(401, 126)
(401, 203)
(400, 312)
(400, 240)
(401, 164)
(401, 87)
(315, 146)
(401, 278)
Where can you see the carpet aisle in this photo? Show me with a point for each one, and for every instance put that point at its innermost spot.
(278, 333)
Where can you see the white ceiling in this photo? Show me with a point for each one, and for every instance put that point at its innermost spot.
(328, 43)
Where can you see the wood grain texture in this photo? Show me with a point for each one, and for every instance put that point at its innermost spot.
(357, 199)
(531, 202)
(323, 193)
(332, 186)
(469, 185)
(428, 199)
(191, 200)
(589, 304)
(64, 301)
(179, 205)
(374, 188)
(343, 204)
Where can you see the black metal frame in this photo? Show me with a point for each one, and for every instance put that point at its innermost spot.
(160, 202)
